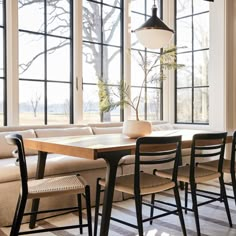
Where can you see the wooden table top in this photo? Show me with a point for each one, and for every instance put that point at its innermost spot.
(89, 146)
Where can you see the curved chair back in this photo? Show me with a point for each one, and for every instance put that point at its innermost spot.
(207, 145)
(156, 150)
(16, 139)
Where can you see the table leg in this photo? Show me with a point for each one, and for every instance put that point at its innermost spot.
(42, 156)
(112, 160)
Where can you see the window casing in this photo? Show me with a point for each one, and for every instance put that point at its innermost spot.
(45, 62)
(192, 38)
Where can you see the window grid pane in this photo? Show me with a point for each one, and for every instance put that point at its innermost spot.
(192, 32)
(45, 59)
(102, 57)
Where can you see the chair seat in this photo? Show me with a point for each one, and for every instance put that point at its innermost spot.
(213, 165)
(56, 186)
(201, 174)
(148, 183)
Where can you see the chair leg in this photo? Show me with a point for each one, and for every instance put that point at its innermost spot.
(97, 202)
(186, 197)
(152, 207)
(195, 208)
(80, 213)
(234, 184)
(222, 187)
(88, 207)
(138, 206)
(180, 213)
(18, 215)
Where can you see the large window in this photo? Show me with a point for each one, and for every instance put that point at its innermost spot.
(102, 55)
(143, 60)
(2, 65)
(45, 61)
(192, 34)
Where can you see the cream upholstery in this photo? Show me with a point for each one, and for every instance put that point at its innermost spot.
(6, 149)
(57, 132)
(148, 183)
(109, 130)
(201, 174)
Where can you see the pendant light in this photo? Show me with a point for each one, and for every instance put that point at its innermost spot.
(154, 33)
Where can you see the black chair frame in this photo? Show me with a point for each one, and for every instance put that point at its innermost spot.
(16, 139)
(165, 153)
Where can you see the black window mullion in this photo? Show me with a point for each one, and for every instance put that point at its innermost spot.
(45, 65)
(192, 64)
(122, 56)
(5, 66)
(71, 64)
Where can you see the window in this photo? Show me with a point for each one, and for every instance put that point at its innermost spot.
(45, 62)
(102, 55)
(150, 107)
(192, 34)
(2, 65)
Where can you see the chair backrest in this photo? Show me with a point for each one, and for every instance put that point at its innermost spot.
(16, 139)
(233, 151)
(207, 145)
(156, 150)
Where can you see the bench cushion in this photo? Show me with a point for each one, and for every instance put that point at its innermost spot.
(58, 132)
(6, 149)
(108, 130)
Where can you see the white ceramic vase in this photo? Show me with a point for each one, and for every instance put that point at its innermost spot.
(136, 128)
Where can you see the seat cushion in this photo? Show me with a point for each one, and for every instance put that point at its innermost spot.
(107, 130)
(213, 165)
(56, 164)
(148, 183)
(201, 174)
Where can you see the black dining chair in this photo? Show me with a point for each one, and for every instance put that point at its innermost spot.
(48, 187)
(228, 167)
(149, 151)
(204, 146)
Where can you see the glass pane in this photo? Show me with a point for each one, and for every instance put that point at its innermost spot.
(153, 104)
(115, 3)
(91, 22)
(201, 105)
(111, 65)
(137, 73)
(153, 69)
(58, 97)
(31, 56)
(111, 26)
(134, 97)
(184, 35)
(136, 21)
(31, 101)
(33, 10)
(1, 103)
(201, 31)
(58, 17)
(184, 105)
(200, 6)
(1, 13)
(184, 75)
(91, 63)
(138, 6)
(1, 54)
(201, 60)
(184, 8)
(91, 111)
(58, 59)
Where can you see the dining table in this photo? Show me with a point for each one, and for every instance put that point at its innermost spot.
(110, 147)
